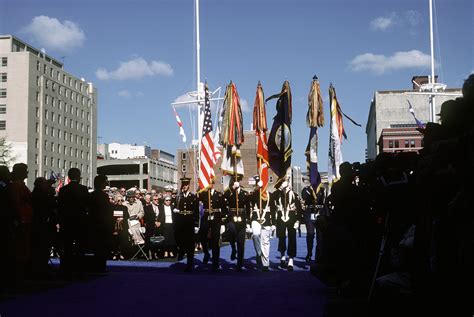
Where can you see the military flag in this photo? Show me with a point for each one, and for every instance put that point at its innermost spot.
(336, 133)
(231, 133)
(180, 125)
(279, 142)
(314, 119)
(260, 126)
(419, 124)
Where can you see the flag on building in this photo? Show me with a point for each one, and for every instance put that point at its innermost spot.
(260, 126)
(314, 119)
(336, 133)
(419, 124)
(231, 134)
(180, 125)
(279, 141)
(206, 157)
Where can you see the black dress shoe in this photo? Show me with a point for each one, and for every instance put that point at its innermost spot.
(290, 268)
(283, 263)
(206, 258)
(308, 258)
(265, 269)
(233, 255)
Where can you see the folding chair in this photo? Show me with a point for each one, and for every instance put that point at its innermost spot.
(137, 234)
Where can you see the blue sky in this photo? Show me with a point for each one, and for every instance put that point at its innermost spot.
(140, 55)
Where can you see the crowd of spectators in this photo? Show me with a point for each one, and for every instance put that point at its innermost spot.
(400, 229)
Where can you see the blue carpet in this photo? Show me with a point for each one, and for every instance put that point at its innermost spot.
(135, 288)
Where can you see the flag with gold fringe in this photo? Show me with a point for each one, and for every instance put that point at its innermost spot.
(314, 119)
(260, 126)
(231, 133)
(336, 133)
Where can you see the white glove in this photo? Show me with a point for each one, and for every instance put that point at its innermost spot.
(176, 210)
(274, 228)
(260, 184)
(248, 229)
(222, 229)
(296, 225)
(236, 185)
(196, 230)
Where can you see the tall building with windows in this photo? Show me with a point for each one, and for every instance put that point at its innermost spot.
(48, 116)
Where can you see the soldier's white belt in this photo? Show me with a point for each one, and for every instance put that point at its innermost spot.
(186, 212)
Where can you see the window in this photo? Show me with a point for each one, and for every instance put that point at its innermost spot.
(36, 143)
(397, 144)
(412, 143)
(38, 66)
(4, 61)
(52, 162)
(3, 93)
(37, 81)
(59, 133)
(407, 143)
(46, 145)
(3, 78)
(3, 109)
(3, 125)
(59, 151)
(52, 116)
(45, 160)
(46, 114)
(36, 158)
(46, 129)
(59, 163)
(183, 168)
(390, 144)
(52, 131)
(37, 96)
(183, 156)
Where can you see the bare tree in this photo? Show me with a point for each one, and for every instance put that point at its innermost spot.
(6, 156)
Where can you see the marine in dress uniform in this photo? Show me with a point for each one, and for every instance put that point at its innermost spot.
(262, 224)
(288, 214)
(312, 204)
(211, 220)
(237, 217)
(186, 222)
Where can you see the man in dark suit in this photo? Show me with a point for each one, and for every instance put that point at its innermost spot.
(73, 221)
(211, 220)
(101, 221)
(186, 222)
(238, 217)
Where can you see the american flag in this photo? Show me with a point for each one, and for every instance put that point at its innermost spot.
(207, 155)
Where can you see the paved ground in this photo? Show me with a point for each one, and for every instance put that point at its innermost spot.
(159, 287)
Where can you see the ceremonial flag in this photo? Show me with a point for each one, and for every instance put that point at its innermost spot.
(180, 125)
(260, 126)
(231, 133)
(206, 158)
(279, 142)
(419, 124)
(314, 119)
(336, 133)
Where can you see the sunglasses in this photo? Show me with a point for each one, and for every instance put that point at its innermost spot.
(167, 199)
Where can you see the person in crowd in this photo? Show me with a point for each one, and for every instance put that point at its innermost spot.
(309, 197)
(7, 227)
(211, 220)
(120, 232)
(44, 224)
(74, 223)
(288, 215)
(262, 223)
(164, 225)
(20, 198)
(186, 223)
(238, 216)
(136, 214)
(102, 222)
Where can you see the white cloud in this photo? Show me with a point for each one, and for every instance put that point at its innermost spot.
(136, 68)
(383, 23)
(380, 64)
(411, 18)
(124, 93)
(52, 34)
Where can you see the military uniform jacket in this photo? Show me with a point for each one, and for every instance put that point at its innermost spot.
(187, 205)
(264, 215)
(243, 209)
(217, 203)
(287, 205)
